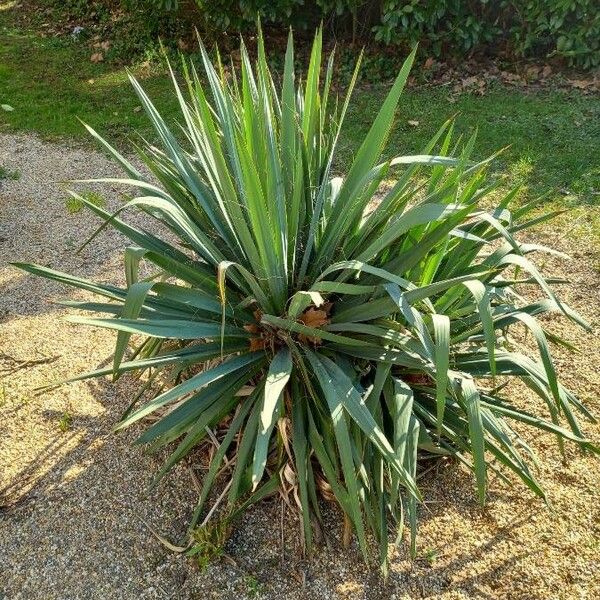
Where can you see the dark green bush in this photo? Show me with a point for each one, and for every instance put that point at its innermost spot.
(526, 28)
(457, 24)
(570, 28)
(225, 14)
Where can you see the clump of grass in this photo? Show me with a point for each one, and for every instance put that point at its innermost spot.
(208, 542)
(521, 170)
(75, 205)
(65, 422)
(253, 585)
(8, 174)
(431, 556)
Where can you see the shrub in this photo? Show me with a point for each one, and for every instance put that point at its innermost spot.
(536, 28)
(224, 14)
(568, 28)
(454, 24)
(328, 330)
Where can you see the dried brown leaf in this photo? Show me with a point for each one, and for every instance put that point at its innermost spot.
(313, 317)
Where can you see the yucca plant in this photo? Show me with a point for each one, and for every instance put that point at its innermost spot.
(322, 332)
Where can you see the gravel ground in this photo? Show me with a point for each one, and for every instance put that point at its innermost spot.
(74, 515)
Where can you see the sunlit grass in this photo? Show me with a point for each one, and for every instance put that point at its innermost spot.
(553, 135)
(75, 205)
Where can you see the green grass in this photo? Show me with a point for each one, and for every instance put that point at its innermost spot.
(75, 205)
(8, 174)
(65, 422)
(554, 135)
(51, 84)
(254, 586)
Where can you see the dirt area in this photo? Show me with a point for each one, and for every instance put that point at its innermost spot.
(74, 513)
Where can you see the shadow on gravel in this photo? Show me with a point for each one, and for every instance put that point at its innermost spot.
(102, 479)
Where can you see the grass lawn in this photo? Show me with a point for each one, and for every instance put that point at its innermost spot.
(554, 135)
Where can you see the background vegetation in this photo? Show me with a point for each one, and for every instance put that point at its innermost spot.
(568, 29)
(551, 128)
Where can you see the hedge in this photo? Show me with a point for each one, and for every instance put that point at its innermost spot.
(527, 28)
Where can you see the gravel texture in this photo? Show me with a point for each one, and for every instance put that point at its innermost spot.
(74, 513)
